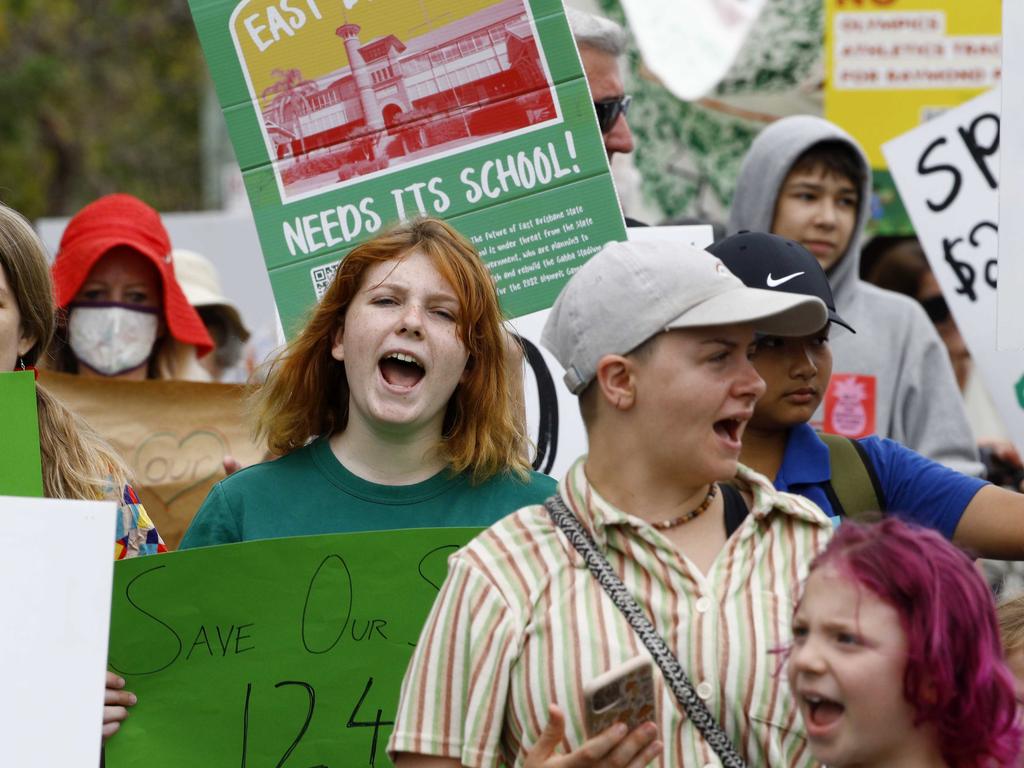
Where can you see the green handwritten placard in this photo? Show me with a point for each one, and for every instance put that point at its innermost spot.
(348, 116)
(21, 472)
(287, 652)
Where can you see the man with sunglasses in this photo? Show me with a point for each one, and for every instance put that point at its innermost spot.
(601, 42)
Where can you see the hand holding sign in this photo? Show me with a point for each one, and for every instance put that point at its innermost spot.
(116, 701)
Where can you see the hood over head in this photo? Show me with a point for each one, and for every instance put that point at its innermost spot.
(764, 169)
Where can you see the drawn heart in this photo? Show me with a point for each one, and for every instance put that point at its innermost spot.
(164, 459)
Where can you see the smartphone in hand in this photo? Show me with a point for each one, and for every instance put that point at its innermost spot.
(623, 694)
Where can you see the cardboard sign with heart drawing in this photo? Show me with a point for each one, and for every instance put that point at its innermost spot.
(173, 435)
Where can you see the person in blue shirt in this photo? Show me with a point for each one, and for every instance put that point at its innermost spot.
(781, 444)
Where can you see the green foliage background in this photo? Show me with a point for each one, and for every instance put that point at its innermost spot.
(99, 96)
(688, 154)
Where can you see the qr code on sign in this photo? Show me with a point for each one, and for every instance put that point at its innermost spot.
(322, 277)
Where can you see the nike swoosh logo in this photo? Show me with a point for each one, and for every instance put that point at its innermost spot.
(776, 283)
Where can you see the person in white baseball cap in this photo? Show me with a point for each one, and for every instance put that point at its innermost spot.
(198, 279)
(655, 340)
(628, 293)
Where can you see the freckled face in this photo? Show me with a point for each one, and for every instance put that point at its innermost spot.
(401, 347)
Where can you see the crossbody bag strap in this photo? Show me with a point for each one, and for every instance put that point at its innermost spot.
(675, 677)
(853, 478)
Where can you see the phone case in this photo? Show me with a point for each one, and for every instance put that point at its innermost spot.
(624, 694)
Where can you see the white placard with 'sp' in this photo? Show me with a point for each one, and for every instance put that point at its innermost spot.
(57, 572)
(947, 174)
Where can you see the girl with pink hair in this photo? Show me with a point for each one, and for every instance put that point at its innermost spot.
(896, 659)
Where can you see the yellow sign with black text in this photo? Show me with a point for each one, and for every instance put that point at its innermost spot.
(890, 65)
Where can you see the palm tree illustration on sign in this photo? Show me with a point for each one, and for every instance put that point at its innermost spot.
(289, 100)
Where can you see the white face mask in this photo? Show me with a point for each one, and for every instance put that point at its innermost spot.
(112, 339)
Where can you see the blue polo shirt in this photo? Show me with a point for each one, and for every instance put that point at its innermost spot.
(916, 489)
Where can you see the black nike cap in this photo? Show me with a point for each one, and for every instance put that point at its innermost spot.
(774, 263)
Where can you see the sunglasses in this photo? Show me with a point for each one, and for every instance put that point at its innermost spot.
(608, 111)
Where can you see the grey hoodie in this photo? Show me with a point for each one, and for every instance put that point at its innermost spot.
(916, 398)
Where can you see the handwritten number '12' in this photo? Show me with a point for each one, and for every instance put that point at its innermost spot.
(311, 694)
(302, 731)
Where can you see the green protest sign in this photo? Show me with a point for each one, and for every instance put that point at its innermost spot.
(349, 115)
(271, 653)
(21, 472)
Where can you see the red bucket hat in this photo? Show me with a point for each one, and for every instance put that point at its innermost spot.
(115, 220)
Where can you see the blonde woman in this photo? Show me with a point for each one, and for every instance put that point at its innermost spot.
(77, 463)
(390, 409)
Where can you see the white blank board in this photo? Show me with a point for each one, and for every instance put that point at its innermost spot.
(56, 577)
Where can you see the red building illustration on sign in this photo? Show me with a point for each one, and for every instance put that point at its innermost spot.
(399, 101)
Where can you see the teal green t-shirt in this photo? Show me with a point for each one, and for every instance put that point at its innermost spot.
(309, 492)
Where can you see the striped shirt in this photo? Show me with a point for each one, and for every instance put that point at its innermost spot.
(520, 623)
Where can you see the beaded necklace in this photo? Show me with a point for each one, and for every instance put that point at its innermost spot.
(686, 517)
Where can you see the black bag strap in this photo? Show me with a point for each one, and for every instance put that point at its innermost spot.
(855, 485)
(675, 677)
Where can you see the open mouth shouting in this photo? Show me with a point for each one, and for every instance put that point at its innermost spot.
(402, 371)
(730, 431)
(820, 714)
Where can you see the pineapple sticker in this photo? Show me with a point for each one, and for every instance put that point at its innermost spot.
(850, 405)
